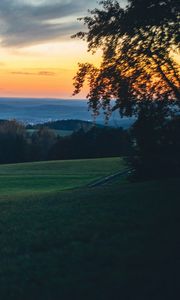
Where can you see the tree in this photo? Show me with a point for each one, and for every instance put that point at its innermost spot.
(13, 142)
(139, 71)
(156, 139)
(138, 43)
(42, 140)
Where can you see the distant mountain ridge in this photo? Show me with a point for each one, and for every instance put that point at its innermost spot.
(69, 125)
(34, 111)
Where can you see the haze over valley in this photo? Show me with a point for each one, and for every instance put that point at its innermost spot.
(33, 111)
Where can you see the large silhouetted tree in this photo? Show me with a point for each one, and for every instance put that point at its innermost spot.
(138, 44)
(138, 69)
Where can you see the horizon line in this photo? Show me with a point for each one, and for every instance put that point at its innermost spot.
(44, 98)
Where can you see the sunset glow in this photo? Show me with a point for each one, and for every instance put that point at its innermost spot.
(43, 71)
(41, 64)
(38, 57)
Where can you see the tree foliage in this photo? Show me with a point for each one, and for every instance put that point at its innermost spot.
(156, 143)
(18, 144)
(138, 43)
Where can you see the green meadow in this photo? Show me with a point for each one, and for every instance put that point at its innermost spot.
(60, 239)
(41, 177)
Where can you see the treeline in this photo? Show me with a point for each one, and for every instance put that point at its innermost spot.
(97, 142)
(17, 145)
(71, 125)
(151, 146)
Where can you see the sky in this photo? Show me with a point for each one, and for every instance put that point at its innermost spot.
(38, 57)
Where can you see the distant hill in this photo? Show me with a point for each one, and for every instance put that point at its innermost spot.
(71, 125)
(35, 111)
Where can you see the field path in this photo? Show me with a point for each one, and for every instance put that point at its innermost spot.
(109, 178)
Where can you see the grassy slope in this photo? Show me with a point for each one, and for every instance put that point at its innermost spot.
(115, 242)
(54, 176)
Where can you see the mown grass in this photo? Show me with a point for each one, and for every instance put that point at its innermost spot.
(54, 176)
(119, 241)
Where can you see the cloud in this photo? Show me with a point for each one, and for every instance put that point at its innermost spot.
(46, 73)
(28, 22)
(41, 73)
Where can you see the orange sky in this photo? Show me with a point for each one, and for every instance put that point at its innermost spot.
(43, 70)
(37, 56)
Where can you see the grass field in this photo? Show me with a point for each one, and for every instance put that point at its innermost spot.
(54, 176)
(119, 241)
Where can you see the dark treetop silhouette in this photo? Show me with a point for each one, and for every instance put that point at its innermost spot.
(138, 43)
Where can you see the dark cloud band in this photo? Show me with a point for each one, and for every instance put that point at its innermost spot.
(22, 23)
